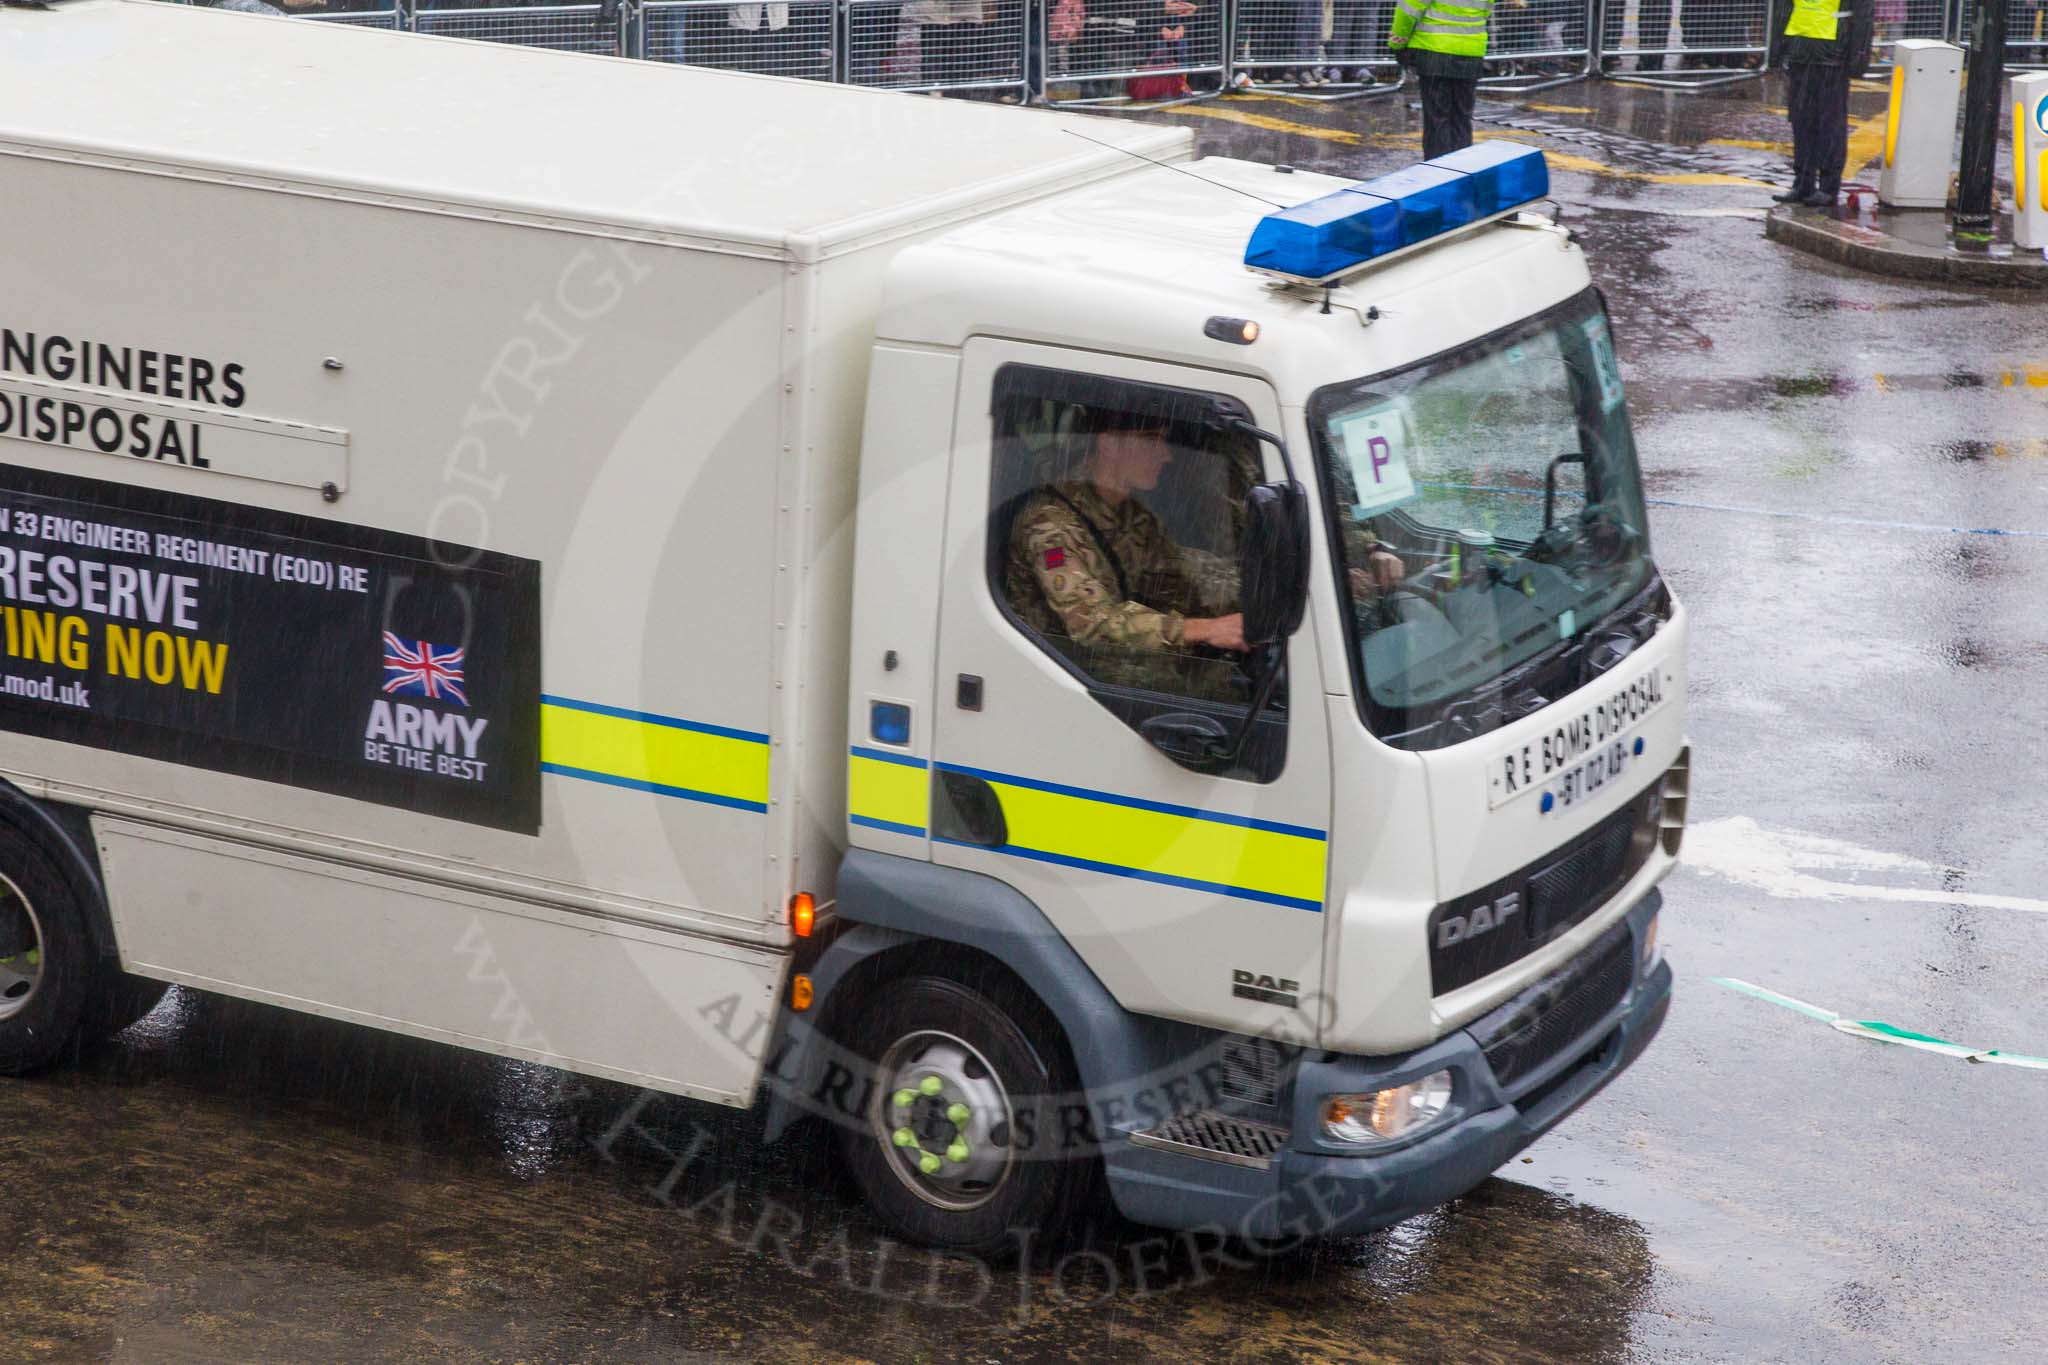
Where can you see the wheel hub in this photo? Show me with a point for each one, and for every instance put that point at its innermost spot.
(21, 950)
(946, 1120)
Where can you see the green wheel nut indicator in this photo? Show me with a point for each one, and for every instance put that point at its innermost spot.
(957, 1152)
(903, 1137)
(928, 1163)
(958, 1113)
(904, 1098)
(931, 1085)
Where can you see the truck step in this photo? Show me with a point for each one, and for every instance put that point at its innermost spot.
(1217, 1137)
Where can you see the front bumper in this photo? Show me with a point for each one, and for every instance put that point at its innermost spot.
(1316, 1188)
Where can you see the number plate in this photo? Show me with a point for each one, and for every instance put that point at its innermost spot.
(1581, 751)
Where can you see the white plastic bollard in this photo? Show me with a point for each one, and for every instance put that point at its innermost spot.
(2030, 160)
(1920, 131)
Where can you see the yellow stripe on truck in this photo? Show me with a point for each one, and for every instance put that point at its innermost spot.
(1212, 851)
(887, 791)
(654, 753)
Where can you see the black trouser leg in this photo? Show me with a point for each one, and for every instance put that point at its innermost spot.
(1830, 126)
(1446, 115)
(1799, 92)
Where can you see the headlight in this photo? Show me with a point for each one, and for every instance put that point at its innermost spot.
(1384, 1115)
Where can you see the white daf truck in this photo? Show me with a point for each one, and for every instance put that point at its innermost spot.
(550, 554)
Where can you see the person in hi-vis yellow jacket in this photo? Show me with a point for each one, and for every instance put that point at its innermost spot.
(1444, 41)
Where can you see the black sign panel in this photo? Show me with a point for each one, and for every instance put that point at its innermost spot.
(338, 658)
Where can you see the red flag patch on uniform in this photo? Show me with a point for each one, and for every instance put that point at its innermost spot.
(1055, 557)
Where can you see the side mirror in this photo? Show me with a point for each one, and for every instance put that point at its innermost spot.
(1273, 562)
(1577, 457)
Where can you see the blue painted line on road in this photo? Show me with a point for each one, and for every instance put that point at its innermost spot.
(1930, 528)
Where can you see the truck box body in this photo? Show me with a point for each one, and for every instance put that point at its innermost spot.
(620, 338)
(539, 552)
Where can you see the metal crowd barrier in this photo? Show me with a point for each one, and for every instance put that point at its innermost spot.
(1531, 45)
(1535, 44)
(1163, 51)
(1140, 51)
(1898, 19)
(388, 17)
(1686, 44)
(1340, 44)
(565, 28)
(935, 45)
(2026, 31)
(780, 38)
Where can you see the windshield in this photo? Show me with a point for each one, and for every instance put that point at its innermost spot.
(1489, 508)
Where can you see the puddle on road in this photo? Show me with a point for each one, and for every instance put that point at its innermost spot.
(1729, 393)
(1808, 305)
(1978, 452)
(1645, 153)
(294, 1188)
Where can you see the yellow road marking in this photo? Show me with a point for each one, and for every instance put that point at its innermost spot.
(1560, 109)
(1565, 161)
(1299, 101)
(1270, 123)
(1866, 143)
(1753, 143)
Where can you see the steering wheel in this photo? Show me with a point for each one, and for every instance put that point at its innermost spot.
(1388, 610)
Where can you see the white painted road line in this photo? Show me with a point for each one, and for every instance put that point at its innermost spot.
(1783, 865)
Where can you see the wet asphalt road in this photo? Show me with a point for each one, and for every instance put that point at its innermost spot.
(1870, 671)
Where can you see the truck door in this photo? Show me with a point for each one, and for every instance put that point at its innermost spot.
(1192, 894)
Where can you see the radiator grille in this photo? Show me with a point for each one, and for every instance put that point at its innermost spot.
(1544, 1021)
(1542, 900)
(1586, 876)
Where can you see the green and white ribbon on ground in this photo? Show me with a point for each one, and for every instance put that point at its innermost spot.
(1883, 1033)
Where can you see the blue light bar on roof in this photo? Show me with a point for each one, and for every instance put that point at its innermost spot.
(1377, 217)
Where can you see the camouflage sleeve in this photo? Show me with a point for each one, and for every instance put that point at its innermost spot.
(1080, 585)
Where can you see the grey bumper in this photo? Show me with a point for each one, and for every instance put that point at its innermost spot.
(1317, 1189)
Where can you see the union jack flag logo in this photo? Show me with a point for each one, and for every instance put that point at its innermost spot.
(416, 668)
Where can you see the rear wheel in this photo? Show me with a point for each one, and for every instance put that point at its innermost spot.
(51, 974)
(957, 1145)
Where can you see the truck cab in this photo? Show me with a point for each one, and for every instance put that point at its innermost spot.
(1409, 921)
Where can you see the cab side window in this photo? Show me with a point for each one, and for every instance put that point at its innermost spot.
(1116, 512)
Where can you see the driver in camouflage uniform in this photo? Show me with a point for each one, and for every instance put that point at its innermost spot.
(1090, 562)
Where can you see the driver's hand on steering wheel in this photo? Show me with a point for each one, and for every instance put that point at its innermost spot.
(1217, 632)
(1381, 572)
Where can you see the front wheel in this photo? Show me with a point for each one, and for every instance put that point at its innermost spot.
(957, 1141)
